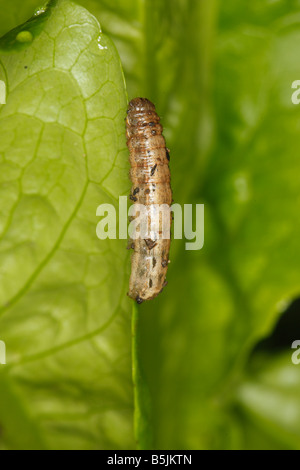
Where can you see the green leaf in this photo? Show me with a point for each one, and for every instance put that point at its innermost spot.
(64, 314)
(220, 74)
(268, 399)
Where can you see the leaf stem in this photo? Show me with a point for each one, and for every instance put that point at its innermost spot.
(142, 399)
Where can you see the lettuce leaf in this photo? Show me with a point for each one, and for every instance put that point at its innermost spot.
(64, 314)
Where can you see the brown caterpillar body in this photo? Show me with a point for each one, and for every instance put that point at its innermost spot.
(150, 176)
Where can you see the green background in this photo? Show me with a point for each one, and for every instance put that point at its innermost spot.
(220, 74)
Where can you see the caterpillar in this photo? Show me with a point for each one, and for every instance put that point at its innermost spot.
(150, 177)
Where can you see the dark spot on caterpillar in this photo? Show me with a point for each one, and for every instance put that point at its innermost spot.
(130, 245)
(150, 283)
(164, 263)
(153, 262)
(168, 154)
(135, 191)
(150, 243)
(153, 132)
(148, 152)
(151, 124)
(133, 198)
(147, 191)
(164, 285)
(139, 300)
(153, 169)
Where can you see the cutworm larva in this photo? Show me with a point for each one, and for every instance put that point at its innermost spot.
(150, 176)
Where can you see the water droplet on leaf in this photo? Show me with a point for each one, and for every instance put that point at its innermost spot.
(38, 11)
(24, 36)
